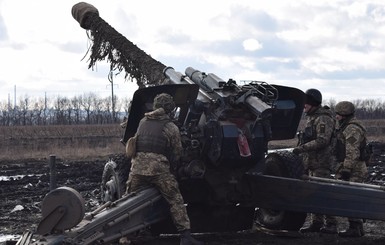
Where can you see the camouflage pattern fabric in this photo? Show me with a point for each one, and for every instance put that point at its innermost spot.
(168, 187)
(152, 169)
(148, 163)
(317, 153)
(350, 136)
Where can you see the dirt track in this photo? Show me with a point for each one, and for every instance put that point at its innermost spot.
(28, 192)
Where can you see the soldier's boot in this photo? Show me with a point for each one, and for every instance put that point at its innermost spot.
(313, 227)
(355, 229)
(329, 228)
(187, 239)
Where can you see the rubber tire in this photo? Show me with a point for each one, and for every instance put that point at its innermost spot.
(283, 164)
(115, 170)
(287, 165)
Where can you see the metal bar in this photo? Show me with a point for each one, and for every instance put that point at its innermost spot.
(343, 182)
(136, 210)
(296, 195)
(118, 220)
(98, 210)
(132, 212)
(25, 239)
(52, 171)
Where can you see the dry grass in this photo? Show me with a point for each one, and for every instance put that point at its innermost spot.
(77, 142)
(68, 142)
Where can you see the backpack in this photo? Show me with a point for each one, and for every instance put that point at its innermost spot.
(366, 151)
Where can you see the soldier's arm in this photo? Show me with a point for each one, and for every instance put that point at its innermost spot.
(175, 143)
(352, 143)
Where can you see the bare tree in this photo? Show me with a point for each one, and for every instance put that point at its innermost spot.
(23, 110)
(38, 112)
(87, 106)
(126, 105)
(76, 103)
(4, 114)
(97, 106)
(60, 110)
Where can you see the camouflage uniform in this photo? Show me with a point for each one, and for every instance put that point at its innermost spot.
(350, 134)
(316, 147)
(149, 168)
(316, 151)
(351, 139)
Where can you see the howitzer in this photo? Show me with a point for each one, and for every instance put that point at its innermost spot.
(226, 175)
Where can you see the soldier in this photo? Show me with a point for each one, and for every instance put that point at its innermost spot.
(316, 151)
(158, 144)
(351, 137)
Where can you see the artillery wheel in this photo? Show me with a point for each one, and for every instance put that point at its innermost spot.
(115, 175)
(283, 164)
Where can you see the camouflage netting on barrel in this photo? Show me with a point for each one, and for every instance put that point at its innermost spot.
(122, 54)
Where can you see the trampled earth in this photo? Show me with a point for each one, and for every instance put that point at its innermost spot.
(23, 185)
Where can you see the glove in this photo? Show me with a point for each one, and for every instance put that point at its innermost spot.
(297, 151)
(344, 174)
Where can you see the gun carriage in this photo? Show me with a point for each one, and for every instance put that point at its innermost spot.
(227, 176)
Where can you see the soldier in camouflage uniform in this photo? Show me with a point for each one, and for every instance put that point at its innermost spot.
(351, 135)
(315, 148)
(158, 143)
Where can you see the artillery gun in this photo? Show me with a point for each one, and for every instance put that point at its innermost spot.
(227, 177)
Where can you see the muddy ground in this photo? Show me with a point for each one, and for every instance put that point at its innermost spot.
(23, 185)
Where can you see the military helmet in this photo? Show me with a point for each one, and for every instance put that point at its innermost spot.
(345, 108)
(164, 101)
(313, 97)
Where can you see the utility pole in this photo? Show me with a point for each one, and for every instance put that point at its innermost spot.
(9, 102)
(111, 79)
(9, 110)
(14, 104)
(45, 108)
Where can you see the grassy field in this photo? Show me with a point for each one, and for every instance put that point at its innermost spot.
(69, 142)
(77, 142)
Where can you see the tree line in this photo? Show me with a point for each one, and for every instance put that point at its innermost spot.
(59, 110)
(365, 108)
(93, 109)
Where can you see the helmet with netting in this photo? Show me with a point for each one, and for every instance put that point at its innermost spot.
(313, 97)
(164, 101)
(345, 108)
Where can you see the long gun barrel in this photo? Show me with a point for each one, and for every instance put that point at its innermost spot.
(121, 52)
(213, 83)
(263, 100)
(143, 68)
(214, 88)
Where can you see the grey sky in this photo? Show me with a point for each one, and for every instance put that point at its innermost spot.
(337, 46)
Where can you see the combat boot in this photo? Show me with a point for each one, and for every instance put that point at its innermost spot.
(355, 230)
(329, 229)
(187, 239)
(313, 227)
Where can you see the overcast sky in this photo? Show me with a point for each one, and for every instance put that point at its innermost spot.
(335, 46)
